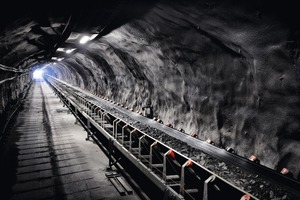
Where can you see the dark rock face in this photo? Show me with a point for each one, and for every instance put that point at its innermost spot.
(12, 88)
(226, 69)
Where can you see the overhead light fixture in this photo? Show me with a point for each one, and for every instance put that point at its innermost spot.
(93, 36)
(69, 50)
(84, 39)
(61, 49)
(74, 37)
(58, 59)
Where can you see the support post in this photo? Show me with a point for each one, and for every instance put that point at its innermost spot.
(110, 152)
(206, 186)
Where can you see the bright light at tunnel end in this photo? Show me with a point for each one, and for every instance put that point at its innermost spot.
(38, 74)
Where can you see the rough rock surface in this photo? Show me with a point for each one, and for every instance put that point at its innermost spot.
(226, 69)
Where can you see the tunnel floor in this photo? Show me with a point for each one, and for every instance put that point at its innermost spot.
(47, 157)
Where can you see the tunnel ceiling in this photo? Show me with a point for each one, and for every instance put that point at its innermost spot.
(228, 70)
(32, 33)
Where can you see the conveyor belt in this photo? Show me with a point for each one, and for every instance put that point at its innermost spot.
(288, 183)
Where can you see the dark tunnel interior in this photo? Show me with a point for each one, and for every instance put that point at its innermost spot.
(227, 70)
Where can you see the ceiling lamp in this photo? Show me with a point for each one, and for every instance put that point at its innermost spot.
(58, 59)
(60, 49)
(69, 50)
(84, 39)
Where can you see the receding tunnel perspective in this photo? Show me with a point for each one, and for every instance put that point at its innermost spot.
(150, 100)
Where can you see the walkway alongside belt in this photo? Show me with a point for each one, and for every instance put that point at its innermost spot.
(49, 157)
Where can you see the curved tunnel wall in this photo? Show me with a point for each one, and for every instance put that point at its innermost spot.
(11, 90)
(230, 74)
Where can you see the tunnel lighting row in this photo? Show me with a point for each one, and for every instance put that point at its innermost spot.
(68, 51)
(57, 59)
(84, 39)
(194, 134)
(80, 38)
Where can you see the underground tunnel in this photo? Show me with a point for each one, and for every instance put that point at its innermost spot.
(207, 90)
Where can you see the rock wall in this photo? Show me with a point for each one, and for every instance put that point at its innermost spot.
(11, 90)
(226, 69)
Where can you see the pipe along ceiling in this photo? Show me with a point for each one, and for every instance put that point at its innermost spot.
(228, 70)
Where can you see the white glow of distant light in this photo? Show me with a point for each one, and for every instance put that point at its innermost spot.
(38, 74)
(84, 39)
